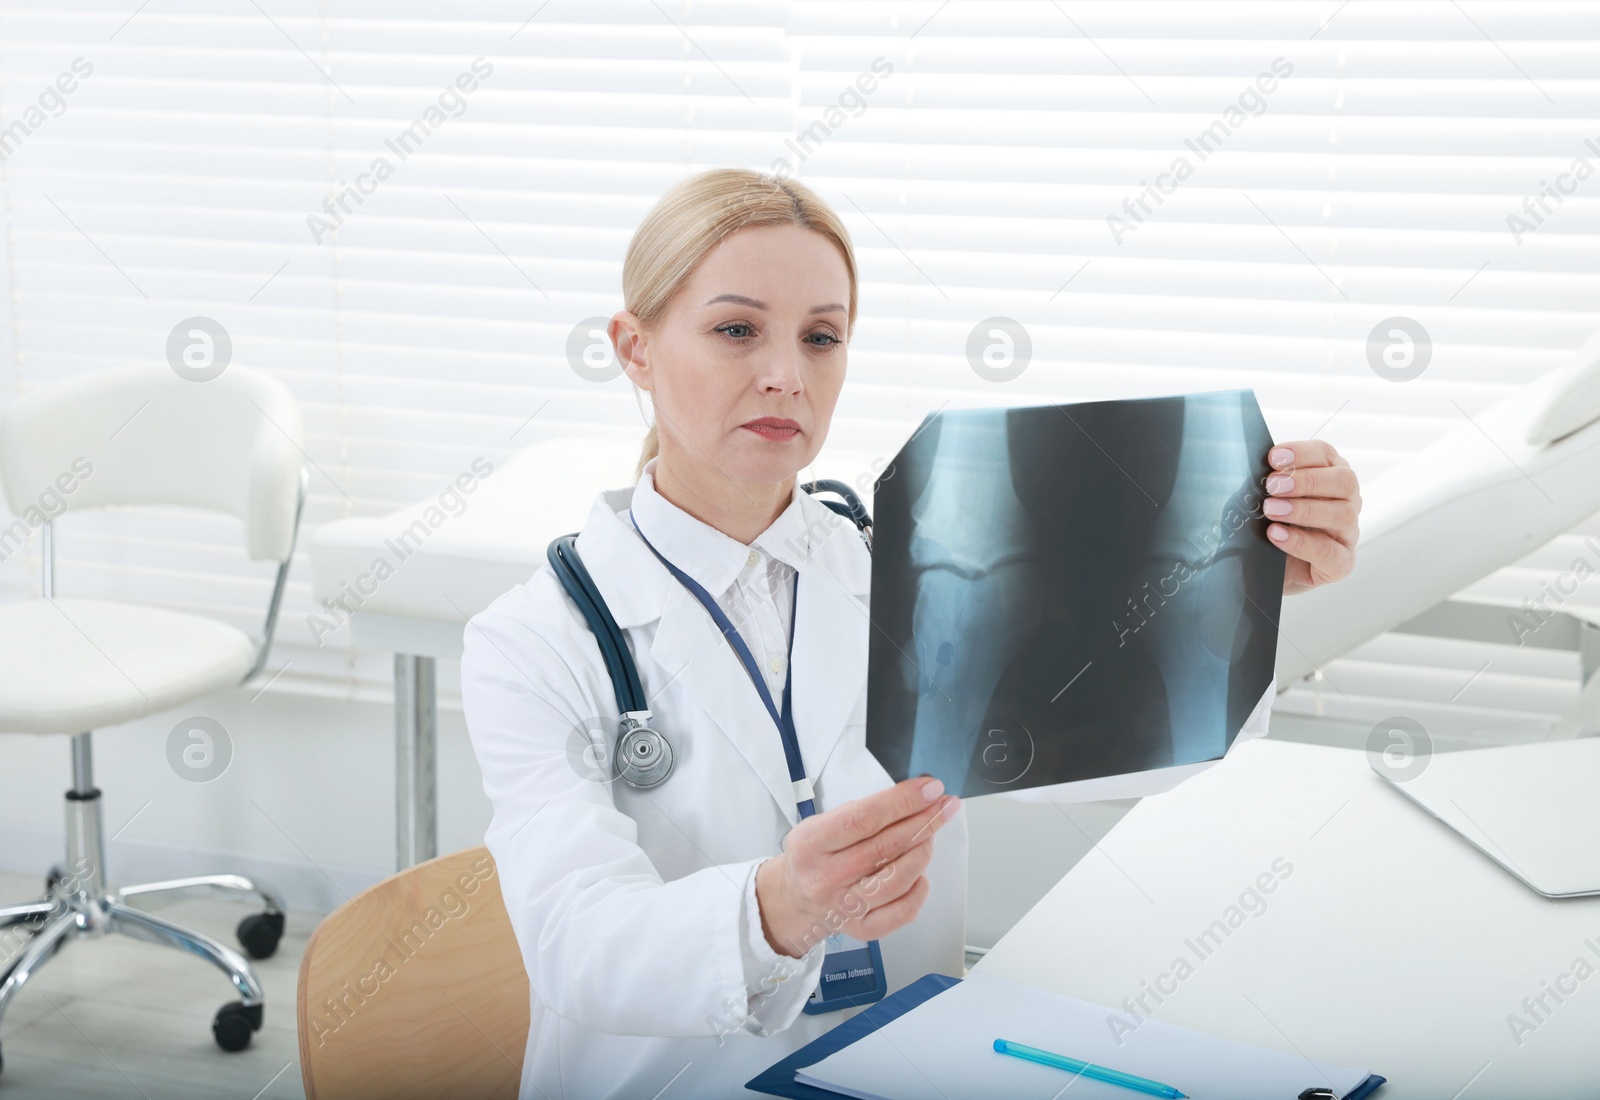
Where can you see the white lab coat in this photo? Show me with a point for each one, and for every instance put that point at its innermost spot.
(627, 905)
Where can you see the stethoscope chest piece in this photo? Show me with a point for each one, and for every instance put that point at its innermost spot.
(644, 756)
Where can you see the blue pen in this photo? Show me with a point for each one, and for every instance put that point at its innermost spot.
(1089, 1070)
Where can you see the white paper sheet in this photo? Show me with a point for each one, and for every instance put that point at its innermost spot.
(944, 1050)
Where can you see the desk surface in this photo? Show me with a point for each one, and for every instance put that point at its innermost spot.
(1386, 942)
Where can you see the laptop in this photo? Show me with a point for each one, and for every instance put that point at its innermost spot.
(1534, 809)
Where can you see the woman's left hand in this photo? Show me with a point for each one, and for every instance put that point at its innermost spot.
(1312, 504)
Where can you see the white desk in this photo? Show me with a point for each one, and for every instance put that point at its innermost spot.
(1391, 944)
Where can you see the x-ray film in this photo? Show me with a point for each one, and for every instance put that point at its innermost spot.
(1069, 592)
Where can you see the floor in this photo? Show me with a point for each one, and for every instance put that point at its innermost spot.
(115, 1017)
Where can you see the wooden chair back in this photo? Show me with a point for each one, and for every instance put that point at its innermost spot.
(416, 987)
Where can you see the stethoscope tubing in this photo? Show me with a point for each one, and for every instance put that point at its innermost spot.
(569, 567)
(574, 577)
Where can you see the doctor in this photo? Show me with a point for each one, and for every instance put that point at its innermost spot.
(673, 934)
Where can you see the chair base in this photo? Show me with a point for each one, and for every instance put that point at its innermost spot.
(80, 905)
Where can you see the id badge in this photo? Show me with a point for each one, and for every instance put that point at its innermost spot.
(852, 975)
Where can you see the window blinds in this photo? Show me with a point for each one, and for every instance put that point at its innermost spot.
(1144, 197)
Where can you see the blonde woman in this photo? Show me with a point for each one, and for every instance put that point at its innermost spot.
(675, 931)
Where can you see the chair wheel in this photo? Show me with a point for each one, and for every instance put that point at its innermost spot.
(234, 1025)
(259, 934)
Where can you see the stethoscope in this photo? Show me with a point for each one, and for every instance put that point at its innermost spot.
(643, 758)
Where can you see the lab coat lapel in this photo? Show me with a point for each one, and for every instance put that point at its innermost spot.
(691, 648)
(831, 629)
(830, 658)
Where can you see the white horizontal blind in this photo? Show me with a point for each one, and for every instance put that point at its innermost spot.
(191, 172)
(1330, 165)
(975, 149)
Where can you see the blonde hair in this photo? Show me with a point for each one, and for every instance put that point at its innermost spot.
(692, 218)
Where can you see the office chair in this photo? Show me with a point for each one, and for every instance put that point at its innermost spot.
(416, 988)
(137, 435)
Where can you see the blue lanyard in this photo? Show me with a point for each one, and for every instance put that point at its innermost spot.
(784, 719)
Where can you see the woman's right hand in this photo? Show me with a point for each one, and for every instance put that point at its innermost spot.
(857, 868)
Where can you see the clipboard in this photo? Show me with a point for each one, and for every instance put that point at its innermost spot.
(778, 1079)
